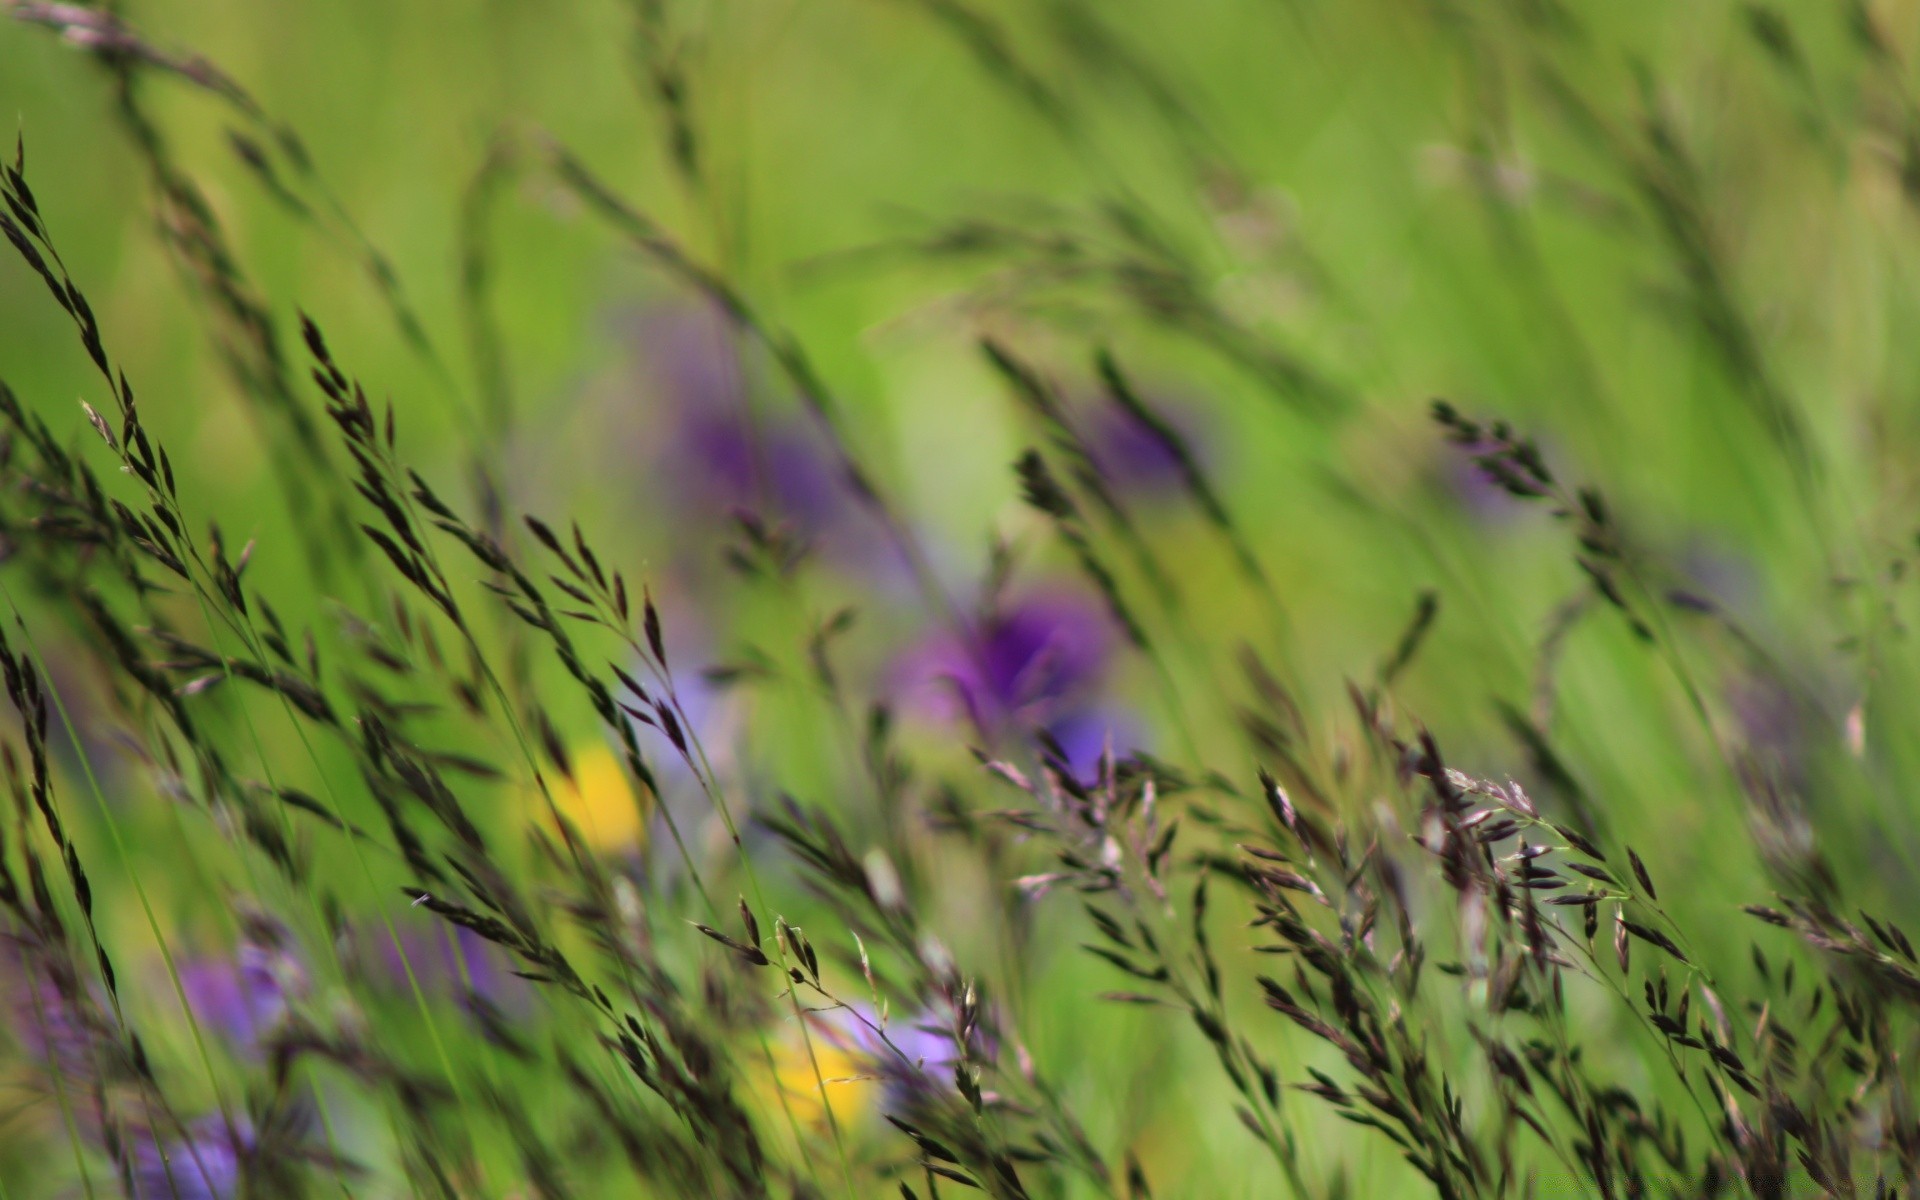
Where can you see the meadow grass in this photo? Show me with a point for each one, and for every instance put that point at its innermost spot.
(895, 599)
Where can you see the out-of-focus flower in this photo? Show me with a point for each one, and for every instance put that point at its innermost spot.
(240, 999)
(1029, 665)
(802, 1068)
(600, 802)
(725, 462)
(910, 1059)
(441, 958)
(1087, 733)
(207, 1164)
(715, 454)
(56, 1023)
(1134, 459)
(862, 1061)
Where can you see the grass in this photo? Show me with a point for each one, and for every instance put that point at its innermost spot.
(895, 599)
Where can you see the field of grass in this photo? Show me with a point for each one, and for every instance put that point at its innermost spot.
(899, 597)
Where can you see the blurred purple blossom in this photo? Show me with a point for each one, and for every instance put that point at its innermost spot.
(243, 995)
(1134, 459)
(1026, 662)
(1028, 665)
(721, 461)
(207, 1164)
(910, 1057)
(240, 998)
(1087, 733)
(1723, 577)
(715, 453)
(57, 1025)
(442, 958)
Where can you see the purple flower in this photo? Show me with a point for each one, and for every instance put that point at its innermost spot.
(207, 1164)
(56, 1023)
(1032, 664)
(240, 999)
(1718, 574)
(720, 462)
(911, 1058)
(442, 958)
(1086, 733)
(243, 996)
(1132, 457)
(716, 454)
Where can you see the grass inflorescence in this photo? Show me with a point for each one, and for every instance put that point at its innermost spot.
(1259, 777)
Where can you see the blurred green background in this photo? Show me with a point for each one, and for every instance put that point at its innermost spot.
(1639, 233)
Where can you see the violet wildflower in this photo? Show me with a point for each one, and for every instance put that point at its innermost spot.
(1780, 728)
(54, 1022)
(1085, 734)
(239, 999)
(1029, 665)
(912, 1059)
(209, 1163)
(723, 463)
(717, 455)
(1135, 460)
(441, 958)
(243, 996)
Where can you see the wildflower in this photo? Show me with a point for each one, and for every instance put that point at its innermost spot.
(1135, 460)
(719, 456)
(439, 958)
(1086, 733)
(1035, 664)
(50, 1014)
(207, 1164)
(239, 999)
(600, 802)
(799, 1071)
(910, 1059)
(716, 456)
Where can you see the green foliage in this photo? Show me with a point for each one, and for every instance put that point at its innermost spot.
(874, 599)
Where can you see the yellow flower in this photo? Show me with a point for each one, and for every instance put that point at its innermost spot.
(792, 1078)
(601, 803)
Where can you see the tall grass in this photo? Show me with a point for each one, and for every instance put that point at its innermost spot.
(691, 773)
